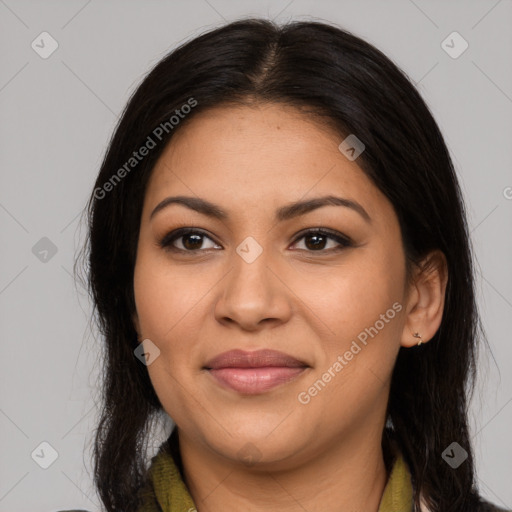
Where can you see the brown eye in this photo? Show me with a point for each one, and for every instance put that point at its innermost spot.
(190, 240)
(316, 240)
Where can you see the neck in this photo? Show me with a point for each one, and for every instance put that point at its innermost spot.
(343, 477)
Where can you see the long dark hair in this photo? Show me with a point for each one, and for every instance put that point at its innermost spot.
(347, 83)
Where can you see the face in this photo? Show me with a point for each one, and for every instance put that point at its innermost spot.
(323, 285)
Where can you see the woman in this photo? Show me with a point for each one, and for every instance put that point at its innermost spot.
(280, 262)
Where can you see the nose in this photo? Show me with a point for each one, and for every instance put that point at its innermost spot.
(254, 294)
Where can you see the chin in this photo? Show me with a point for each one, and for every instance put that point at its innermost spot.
(261, 445)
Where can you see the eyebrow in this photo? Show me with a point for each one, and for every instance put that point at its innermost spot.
(284, 213)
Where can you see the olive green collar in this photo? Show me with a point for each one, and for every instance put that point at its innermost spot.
(167, 492)
(397, 496)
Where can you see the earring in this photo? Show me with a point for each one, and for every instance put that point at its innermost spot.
(417, 335)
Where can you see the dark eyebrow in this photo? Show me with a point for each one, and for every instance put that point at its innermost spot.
(194, 203)
(284, 213)
(302, 207)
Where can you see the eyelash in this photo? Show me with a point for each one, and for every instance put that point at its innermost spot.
(344, 241)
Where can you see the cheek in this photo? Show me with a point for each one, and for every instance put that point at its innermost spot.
(362, 308)
(165, 295)
(365, 314)
(165, 300)
(170, 302)
(353, 297)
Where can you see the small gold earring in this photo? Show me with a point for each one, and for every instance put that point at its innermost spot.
(417, 335)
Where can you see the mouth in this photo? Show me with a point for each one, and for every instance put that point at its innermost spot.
(252, 373)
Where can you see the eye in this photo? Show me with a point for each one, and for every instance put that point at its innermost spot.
(191, 240)
(316, 240)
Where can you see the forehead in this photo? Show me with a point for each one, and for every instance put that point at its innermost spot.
(261, 155)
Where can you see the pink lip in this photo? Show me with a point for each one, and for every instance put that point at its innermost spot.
(254, 372)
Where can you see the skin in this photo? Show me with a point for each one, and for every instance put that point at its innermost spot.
(309, 303)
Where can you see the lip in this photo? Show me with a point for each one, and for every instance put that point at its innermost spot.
(256, 359)
(254, 372)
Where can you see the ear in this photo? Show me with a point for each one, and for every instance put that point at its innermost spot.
(425, 299)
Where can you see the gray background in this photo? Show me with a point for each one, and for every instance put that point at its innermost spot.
(57, 115)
